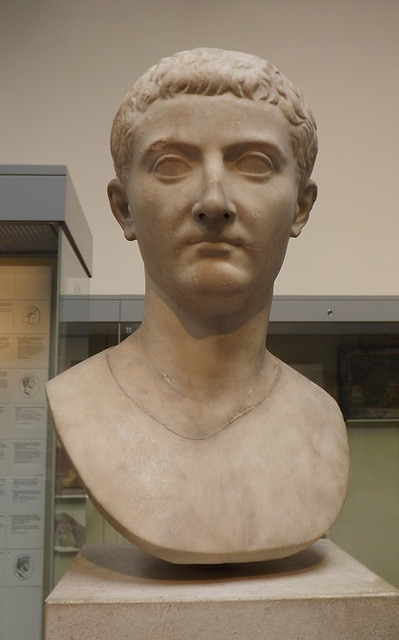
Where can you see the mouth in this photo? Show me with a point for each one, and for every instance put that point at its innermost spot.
(214, 249)
(219, 242)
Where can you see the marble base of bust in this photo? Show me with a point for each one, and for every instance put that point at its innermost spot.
(117, 591)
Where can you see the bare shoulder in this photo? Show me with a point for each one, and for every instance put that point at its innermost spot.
(313, 420)
(78, 384)
(305, 394)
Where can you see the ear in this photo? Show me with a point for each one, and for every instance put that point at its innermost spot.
(120, 208)
(304, 207)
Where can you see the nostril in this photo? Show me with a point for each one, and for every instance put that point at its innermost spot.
(203, 216)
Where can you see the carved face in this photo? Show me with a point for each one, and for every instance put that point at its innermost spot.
(212, 192)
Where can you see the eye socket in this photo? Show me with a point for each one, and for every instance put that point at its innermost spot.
(254, 164)
(171, 167)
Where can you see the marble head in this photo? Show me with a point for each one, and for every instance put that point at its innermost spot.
(214, 72)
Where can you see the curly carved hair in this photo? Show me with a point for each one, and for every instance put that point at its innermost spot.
(213, 72)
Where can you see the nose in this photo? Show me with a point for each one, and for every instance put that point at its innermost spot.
(213, 205)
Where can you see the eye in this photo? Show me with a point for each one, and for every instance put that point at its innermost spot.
(171, 167)
(254, 164)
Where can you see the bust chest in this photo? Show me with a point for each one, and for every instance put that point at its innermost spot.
(273, 480)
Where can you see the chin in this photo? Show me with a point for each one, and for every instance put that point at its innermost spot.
(219, 283)
(219, 286)
(219, 293)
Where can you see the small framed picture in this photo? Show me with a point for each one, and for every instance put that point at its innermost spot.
(369, 382)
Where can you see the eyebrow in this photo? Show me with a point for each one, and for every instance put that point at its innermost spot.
(169, 144)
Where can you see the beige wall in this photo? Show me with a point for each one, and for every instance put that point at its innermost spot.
(66, 64)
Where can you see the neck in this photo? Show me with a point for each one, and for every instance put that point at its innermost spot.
(205, 341)
(206, 367)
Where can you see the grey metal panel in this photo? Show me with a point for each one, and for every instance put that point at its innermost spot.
(90, 308)
(335, 309)
(132, 310)
(285, 309)
(33, 169)
(74, 309)
(103, 310)
(80, 234)
(33, 198)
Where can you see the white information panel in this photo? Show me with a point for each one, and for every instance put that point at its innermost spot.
(24, 358)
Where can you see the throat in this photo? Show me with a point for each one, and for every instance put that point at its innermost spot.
(188, 411)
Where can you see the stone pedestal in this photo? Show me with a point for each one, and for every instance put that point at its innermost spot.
(113, 592)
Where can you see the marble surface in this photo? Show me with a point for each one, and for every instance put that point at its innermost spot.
(114, 591)
(265, 487)
(191, 438)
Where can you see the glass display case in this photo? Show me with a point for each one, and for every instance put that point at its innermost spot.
(349, 346)
(112, 319)
(357, 363)
(45, 253)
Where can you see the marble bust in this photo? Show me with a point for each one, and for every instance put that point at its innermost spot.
(192, 439)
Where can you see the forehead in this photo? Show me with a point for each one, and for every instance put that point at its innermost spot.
(211, 120)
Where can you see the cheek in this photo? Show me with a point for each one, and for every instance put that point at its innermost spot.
(273, 221)
(143, 208)
(274, 202)
(271, 226)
